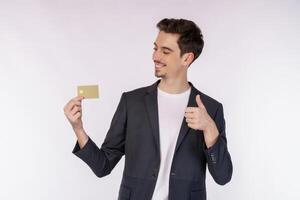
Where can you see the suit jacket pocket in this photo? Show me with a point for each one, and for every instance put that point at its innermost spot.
(124, 193)
(198, 194)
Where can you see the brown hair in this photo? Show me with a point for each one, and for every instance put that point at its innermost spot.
(190, 39)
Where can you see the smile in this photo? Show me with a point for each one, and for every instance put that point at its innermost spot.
(159, 65)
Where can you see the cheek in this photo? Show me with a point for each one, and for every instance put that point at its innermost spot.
(175, 63)
(174, 59)
(153, 55)
(170, 60)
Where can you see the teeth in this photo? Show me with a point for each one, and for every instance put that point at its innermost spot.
(159, 65)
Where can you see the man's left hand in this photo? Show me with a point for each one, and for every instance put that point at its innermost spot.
(197, 118)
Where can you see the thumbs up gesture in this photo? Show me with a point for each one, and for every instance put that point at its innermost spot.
(197, 118)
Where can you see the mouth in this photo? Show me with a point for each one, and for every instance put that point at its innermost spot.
(159, 65)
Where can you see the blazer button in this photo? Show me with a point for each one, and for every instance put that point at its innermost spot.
(154, 175)
(173, 173)
(213, 158)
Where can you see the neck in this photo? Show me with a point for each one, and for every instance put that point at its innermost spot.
(174, 86)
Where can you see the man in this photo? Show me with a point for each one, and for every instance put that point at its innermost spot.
(168, 131)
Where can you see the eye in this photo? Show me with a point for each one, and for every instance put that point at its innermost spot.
(155, 49)
(166, 53)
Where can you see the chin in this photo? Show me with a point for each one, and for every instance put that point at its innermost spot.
(159, 75)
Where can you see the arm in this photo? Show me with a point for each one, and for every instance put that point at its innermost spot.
(217, 155)
(103, 160)
(82, 137)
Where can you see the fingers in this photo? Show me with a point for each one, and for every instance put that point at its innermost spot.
(75, 101)
(191, 109)
(189, 120)
(79, 98)
(189, 115)
(192, 114)
(76, 116)
(75, 110)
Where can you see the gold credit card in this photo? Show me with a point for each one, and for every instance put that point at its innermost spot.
(88, 91)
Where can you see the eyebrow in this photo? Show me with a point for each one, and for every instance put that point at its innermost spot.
(167, 48)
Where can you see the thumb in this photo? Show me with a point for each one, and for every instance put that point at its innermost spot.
(199, 102)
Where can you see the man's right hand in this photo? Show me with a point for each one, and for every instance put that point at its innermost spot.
(73, 112)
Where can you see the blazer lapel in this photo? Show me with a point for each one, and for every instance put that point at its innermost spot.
(184, 127)
(152, 109)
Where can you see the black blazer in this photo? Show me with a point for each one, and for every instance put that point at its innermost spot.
(134, 132)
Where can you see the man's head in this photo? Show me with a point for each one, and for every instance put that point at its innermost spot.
(177, 45)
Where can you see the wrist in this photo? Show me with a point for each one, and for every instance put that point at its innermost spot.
(211, 134)
(78, 130)
(211, 126)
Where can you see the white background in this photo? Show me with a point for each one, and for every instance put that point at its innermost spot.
(250, 63)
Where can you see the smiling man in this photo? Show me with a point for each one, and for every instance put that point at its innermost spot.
(169, 132)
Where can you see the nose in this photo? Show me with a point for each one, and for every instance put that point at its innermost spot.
(156, 56)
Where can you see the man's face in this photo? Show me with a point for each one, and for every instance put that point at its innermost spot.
(166, 56)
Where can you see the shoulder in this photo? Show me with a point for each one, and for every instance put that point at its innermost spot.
(137, 91)
(136, 94)
(207, 98)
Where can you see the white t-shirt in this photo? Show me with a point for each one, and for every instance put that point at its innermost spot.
(171, 109)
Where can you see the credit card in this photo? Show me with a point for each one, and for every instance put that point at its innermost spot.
(88, 91)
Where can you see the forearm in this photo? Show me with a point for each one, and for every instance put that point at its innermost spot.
(82, 137)
(100, 160)
(217, 155)
(219, 162)
(94, 157)
(211, 134)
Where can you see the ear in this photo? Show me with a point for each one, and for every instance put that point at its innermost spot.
(188, 58)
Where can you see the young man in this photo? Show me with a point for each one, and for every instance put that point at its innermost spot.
(168, 131)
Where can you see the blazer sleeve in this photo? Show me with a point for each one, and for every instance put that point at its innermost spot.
(217, 156)
(103, 160)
